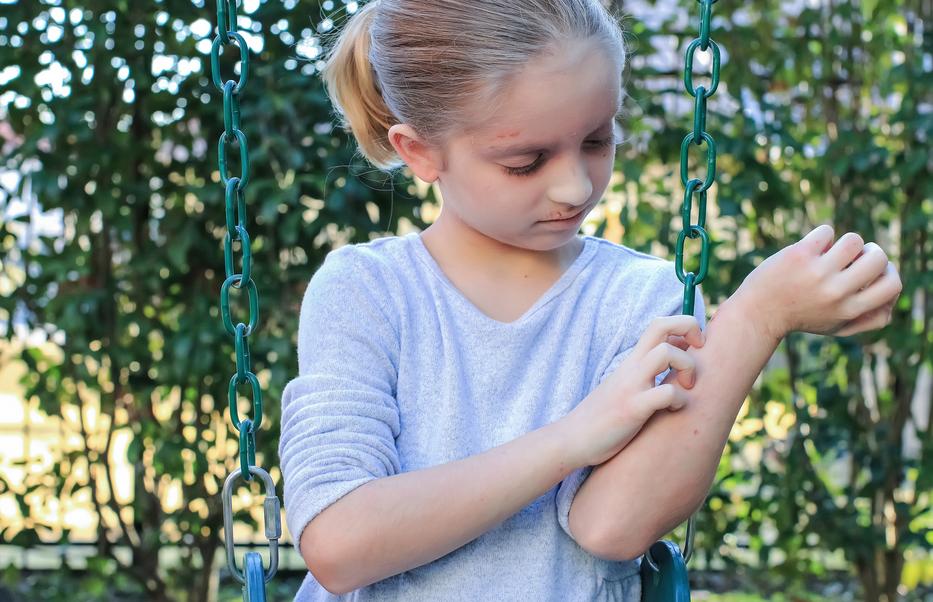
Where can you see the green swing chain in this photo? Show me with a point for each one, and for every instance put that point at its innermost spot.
(695, 186)
(234, 193)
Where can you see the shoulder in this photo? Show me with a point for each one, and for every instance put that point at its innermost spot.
(646, 285)
(377, 254)
(637, 287)
(371, 266)
(364, 280)
(624, 266)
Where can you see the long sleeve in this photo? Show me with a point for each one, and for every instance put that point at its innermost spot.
(400, 372)
(340, 416)
(662, 298)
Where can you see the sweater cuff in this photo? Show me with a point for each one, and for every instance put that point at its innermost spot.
(565, 493)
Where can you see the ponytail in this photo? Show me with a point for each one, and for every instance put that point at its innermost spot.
(355, 91)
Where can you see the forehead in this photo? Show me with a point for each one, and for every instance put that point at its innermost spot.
(563, 95)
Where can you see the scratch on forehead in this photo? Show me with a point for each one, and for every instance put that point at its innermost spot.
(512, 134)
(516, 133)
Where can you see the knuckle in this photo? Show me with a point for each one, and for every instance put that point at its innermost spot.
(655, 328)
(845, 311)
(898, 285)
(835, 295)
(848, 312)
(854, 239)
(796, 252)
(655, 352)
(640, 412)
(896, 288)
(641, 404)
(888, 286)
(814, 270)
(877, 255)
(680, 400)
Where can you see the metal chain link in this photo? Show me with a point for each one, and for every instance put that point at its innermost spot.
(235, 212)
(693, 187)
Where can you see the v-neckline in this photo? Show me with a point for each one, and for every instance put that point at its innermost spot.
(586, 253)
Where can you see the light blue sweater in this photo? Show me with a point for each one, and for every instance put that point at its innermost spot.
(398, 371)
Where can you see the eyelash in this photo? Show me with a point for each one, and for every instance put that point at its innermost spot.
(533, 167)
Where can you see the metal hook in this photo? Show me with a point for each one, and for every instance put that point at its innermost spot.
(687, 551)
(271, 516)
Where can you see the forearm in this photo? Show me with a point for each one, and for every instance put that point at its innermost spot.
(393, 524)
(659, 479)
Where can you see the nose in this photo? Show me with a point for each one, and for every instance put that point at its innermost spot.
(571, 185)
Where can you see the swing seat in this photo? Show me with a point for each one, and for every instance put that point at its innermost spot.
(669, 583)
(254, 590)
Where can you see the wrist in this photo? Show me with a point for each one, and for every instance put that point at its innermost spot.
(567, 432)
(769, 322)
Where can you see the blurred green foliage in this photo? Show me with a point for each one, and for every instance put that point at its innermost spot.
(823, 115)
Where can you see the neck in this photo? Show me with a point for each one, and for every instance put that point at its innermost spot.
(453, 242)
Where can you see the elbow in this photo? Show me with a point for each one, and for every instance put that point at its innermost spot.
(618, 549)
(607, 539)
(321, 561)
(631, 539)
(612, 545)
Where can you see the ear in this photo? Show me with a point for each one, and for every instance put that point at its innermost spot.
(425, 161)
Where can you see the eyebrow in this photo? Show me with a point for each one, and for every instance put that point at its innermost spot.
(526, 148)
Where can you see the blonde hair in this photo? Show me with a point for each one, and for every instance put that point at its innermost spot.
(427, 62)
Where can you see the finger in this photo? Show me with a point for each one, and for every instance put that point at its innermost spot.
(685, 343)
(662, 397)
(872, 320)
(866, 269)
(843, 252)
(658, 330)
(818, 240)
(678, 341)
(666, 356)
(882, 292)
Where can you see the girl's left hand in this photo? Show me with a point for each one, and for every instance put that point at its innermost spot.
(815, 286)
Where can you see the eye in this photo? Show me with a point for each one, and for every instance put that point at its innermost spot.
(526, 170)
(596, 145)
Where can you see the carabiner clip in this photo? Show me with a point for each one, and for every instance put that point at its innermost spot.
(271, 516)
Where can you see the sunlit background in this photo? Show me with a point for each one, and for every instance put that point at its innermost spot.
(96, 494)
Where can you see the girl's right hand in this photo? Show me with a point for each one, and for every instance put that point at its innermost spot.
(613, 413)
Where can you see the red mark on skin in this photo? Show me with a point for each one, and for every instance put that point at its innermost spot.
(509, 134)
(695, 431)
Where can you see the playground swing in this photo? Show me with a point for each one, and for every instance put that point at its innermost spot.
(663, 572)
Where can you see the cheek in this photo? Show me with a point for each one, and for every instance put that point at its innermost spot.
(489, 198)
(604, 168)
(601, 169)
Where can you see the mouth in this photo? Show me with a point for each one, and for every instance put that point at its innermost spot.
(568, 218)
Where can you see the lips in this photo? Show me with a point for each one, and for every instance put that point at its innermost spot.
(566, 218)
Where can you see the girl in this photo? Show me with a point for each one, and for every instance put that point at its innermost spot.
(463, 425)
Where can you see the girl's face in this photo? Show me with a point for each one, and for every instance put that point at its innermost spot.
(546, 153)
